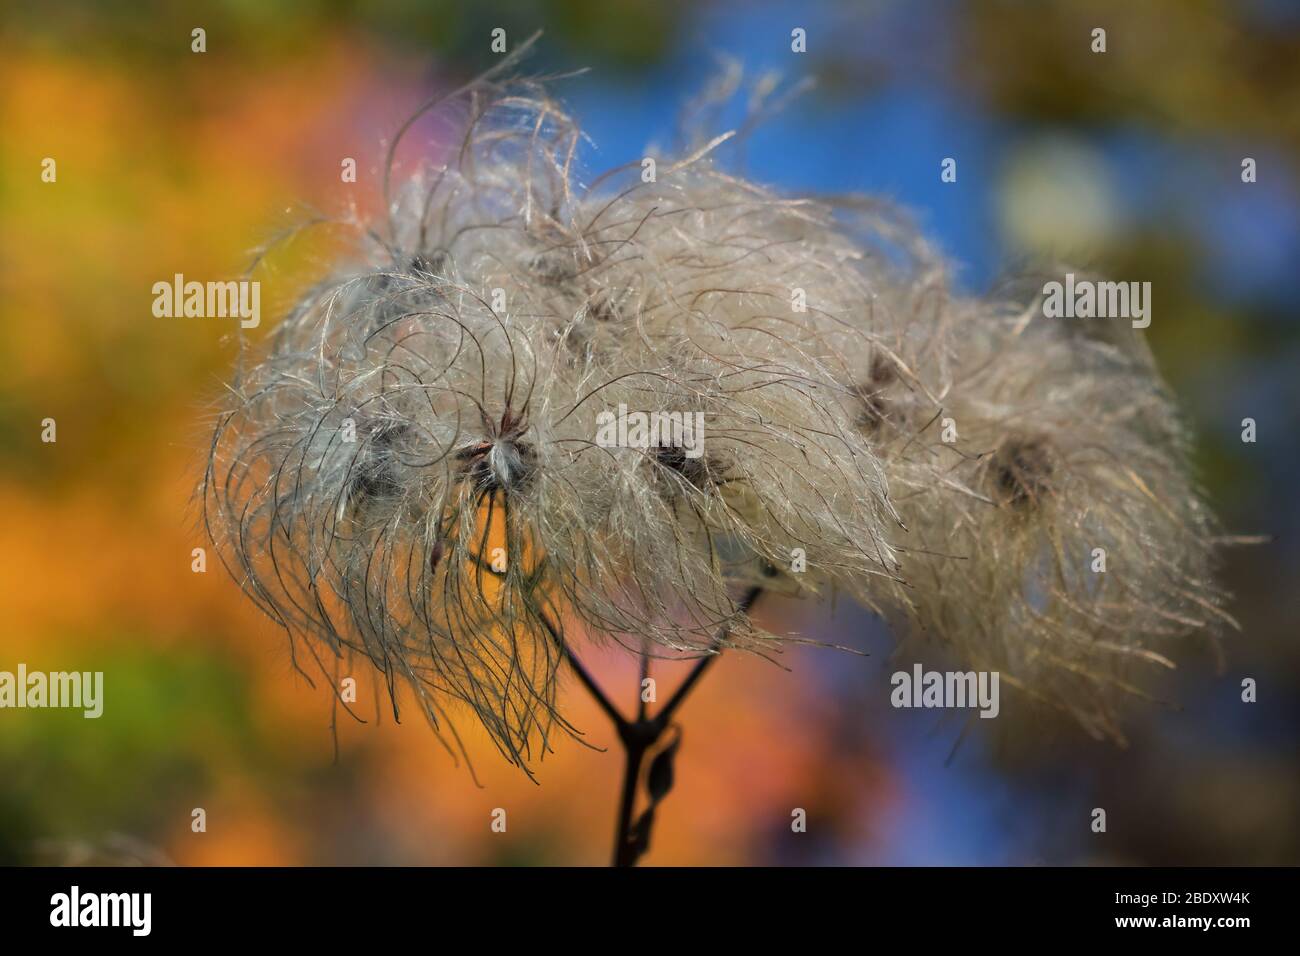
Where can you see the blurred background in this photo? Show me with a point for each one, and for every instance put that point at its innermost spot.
(172, 161)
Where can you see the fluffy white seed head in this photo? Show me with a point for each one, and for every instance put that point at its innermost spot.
(476, 341)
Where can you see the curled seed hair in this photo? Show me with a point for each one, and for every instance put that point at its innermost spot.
(408, 471)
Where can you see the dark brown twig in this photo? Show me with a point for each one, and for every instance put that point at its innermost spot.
(702, 665)
(638, 737)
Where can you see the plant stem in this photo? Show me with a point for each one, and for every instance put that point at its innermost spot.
(639, 736)
(702, 665)
(634, 752)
